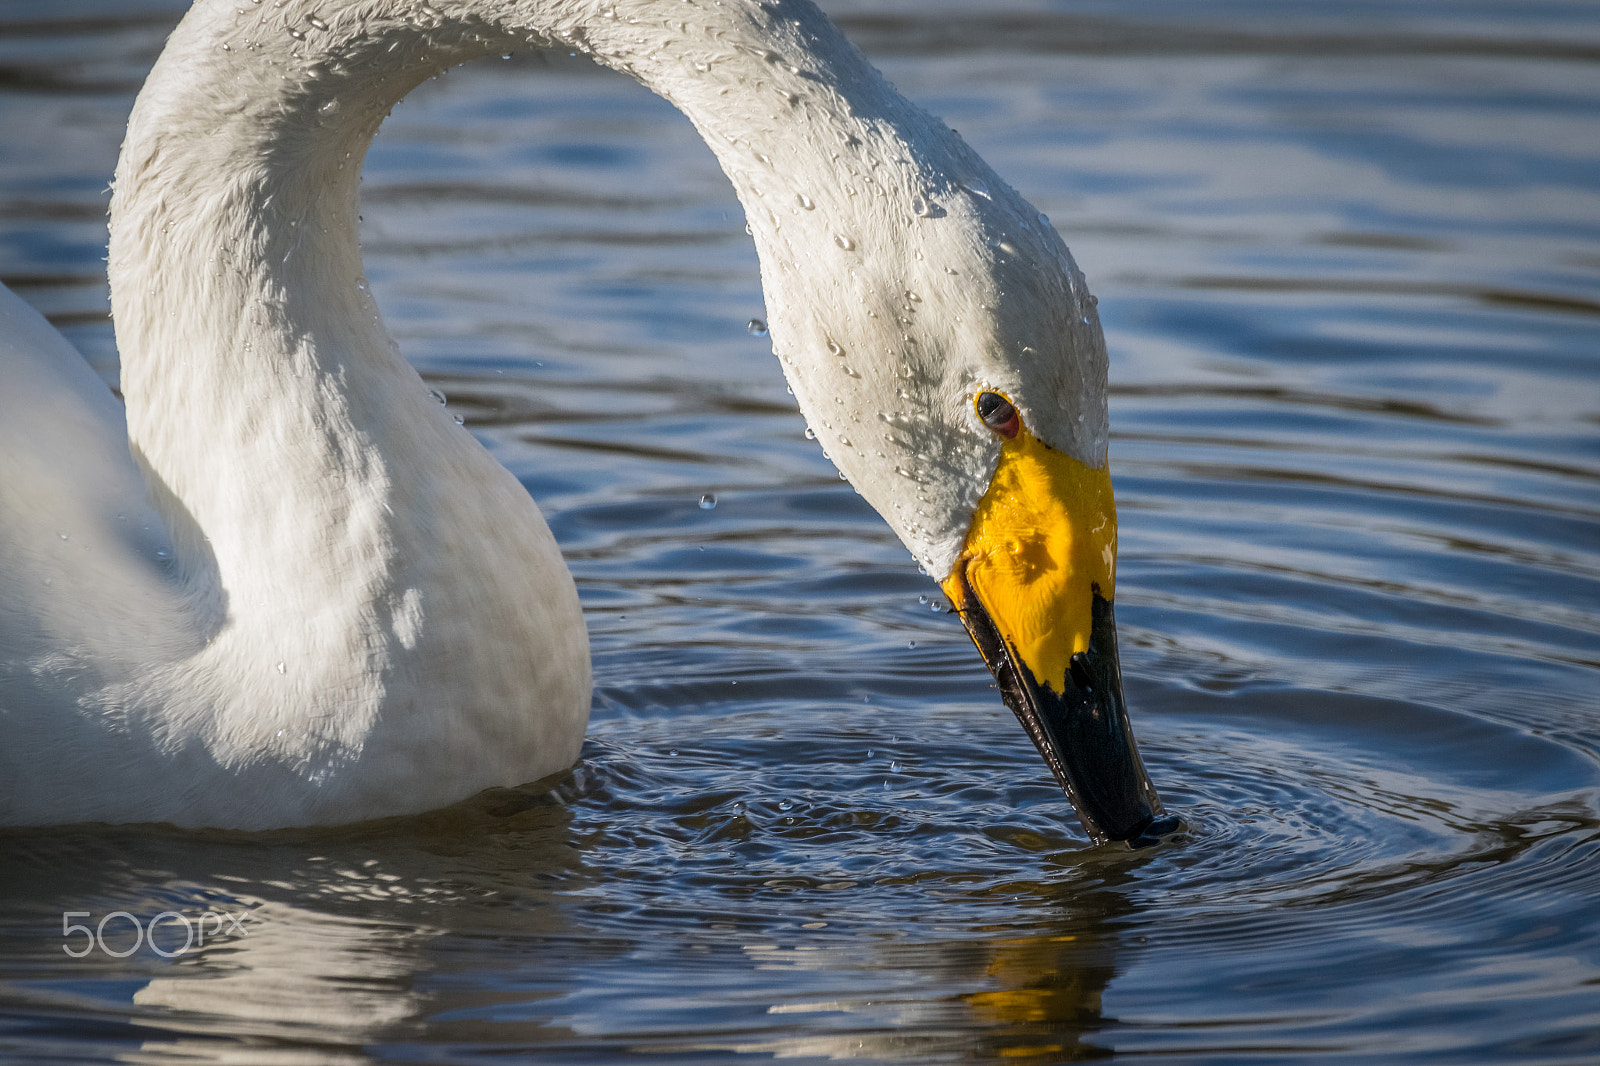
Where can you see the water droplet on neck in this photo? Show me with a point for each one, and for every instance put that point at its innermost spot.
(920, 208)
(976, 188)
(811, 434)
(437, 395)
(708, 501)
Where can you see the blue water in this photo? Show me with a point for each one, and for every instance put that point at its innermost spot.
(1348, 261)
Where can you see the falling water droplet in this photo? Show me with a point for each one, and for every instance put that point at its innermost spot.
(844, 242)
(708, 501)
(756, 328)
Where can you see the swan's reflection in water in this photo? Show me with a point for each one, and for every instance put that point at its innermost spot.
(343, 929)
(336, 979)
(484, 927)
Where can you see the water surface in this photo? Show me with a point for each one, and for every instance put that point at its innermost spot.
(1348, 259)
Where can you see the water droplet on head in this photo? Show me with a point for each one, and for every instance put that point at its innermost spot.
(834, 349)
(281, 668)
(805, 201)
(436, 394)
(844, 242)
(460, 421)
(296, 34)
(811, 434)
(756, 328)
(316, 23)
(976, 188)
(708, 501)
(920, 208)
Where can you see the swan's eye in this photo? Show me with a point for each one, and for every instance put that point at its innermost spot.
(998, 414)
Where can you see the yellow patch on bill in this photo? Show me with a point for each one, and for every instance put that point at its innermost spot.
(1043, 536)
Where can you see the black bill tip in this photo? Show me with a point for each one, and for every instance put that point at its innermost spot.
(1083, 733)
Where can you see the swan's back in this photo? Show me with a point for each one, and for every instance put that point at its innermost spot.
(80, 540)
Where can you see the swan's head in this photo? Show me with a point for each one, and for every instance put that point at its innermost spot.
(946, 351)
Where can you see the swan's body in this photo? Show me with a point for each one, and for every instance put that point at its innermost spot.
(304, 594)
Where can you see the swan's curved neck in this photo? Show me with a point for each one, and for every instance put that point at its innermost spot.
(248, 338)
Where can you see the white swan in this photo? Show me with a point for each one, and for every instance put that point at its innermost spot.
(292, 591)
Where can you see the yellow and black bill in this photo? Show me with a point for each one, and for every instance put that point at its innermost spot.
(1034, 587)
